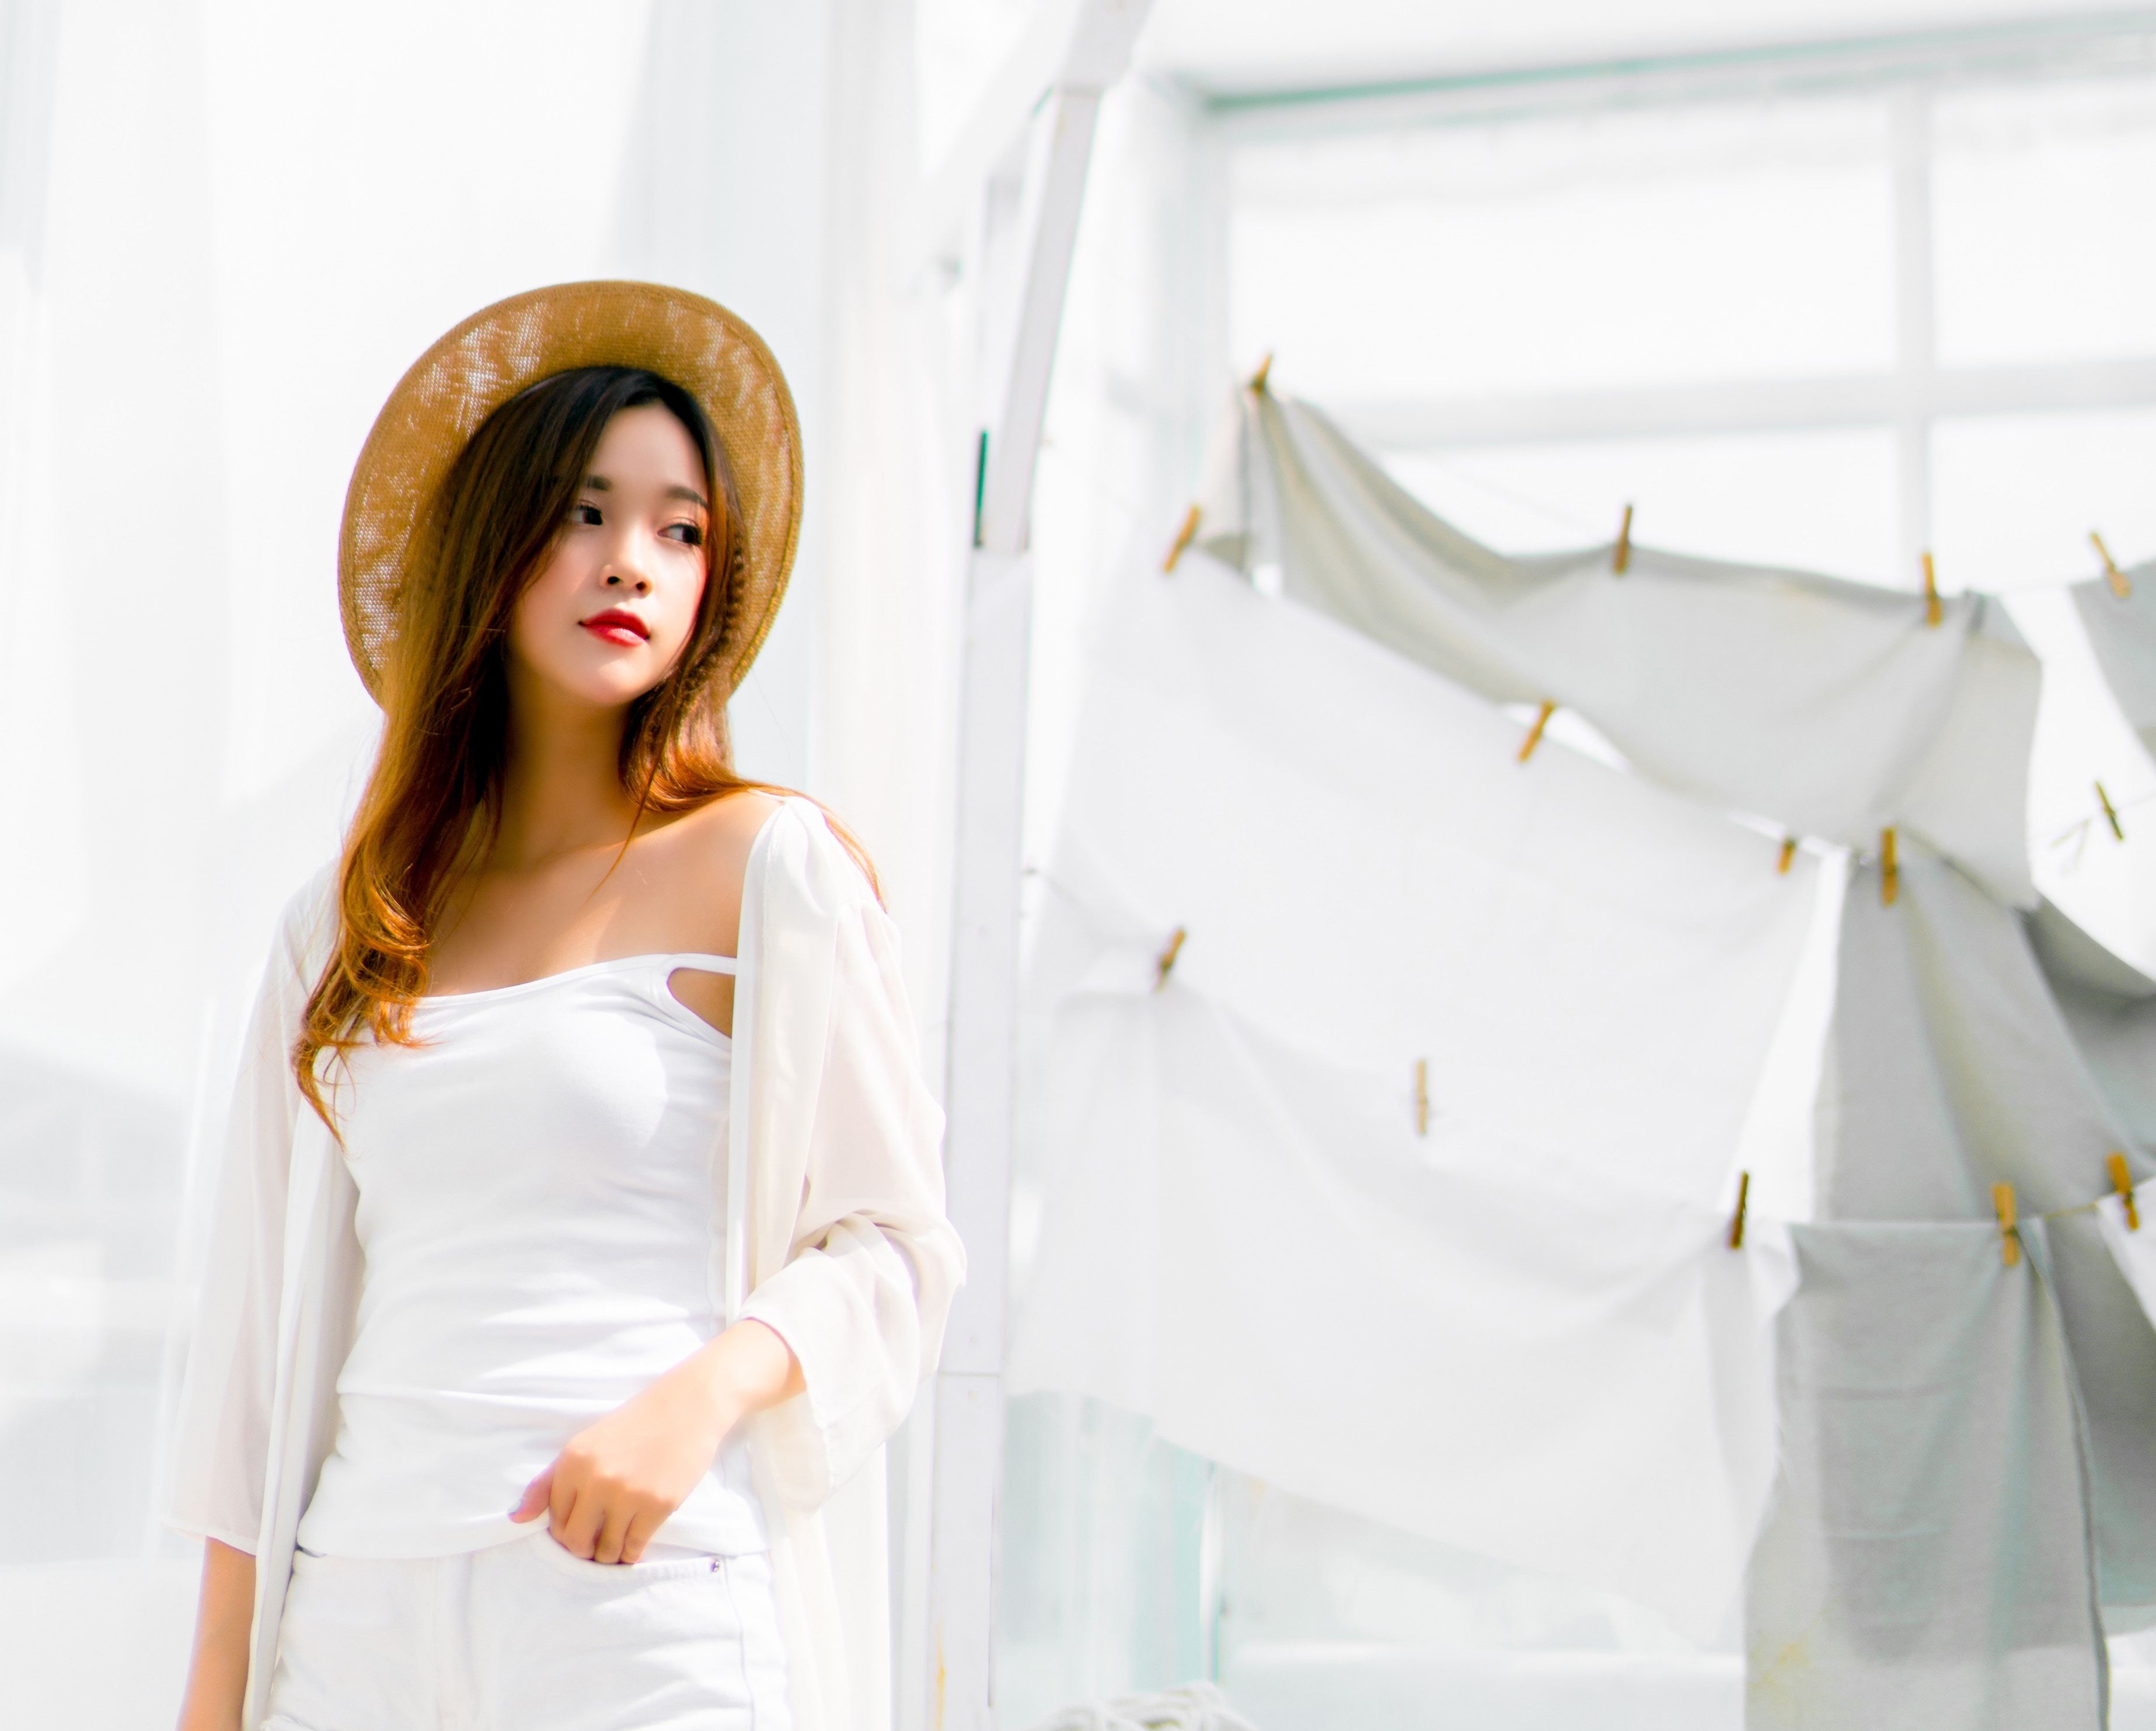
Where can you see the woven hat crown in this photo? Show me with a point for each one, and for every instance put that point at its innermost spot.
(499, 350)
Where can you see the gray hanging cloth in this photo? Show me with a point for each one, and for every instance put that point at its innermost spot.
(1953, 1063)
(2122, 630)
(1928, 1564)
(2110, 1010)
(1972, 1045)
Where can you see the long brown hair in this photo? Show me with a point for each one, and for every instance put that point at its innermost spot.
(432, 806)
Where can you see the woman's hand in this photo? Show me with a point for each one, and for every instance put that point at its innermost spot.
(608, 1491)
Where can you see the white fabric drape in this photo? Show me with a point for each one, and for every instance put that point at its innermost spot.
(829, 1194)
(1567, 1377)
(1828, 708)
(1591, 969)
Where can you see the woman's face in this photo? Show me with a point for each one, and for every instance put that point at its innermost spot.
(608, 613)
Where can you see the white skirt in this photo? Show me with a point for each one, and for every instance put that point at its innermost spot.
(526, 1636)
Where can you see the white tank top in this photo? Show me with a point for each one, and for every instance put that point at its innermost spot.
(538, 1212)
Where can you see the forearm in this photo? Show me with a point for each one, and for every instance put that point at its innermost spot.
(224, 1618)
(745, 1369)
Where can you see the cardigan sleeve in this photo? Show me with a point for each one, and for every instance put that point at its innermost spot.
(221, 1431)
(867, 1285)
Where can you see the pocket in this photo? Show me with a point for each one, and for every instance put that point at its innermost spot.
(557, 1556)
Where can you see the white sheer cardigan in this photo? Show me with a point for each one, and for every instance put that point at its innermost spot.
(829, 1192)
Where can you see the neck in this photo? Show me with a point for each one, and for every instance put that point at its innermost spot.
(561, 790)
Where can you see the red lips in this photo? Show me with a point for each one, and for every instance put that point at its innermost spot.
(617, 624)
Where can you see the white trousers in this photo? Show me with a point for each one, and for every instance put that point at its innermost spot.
(526, 1636)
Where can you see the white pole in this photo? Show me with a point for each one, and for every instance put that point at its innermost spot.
(1024, 250)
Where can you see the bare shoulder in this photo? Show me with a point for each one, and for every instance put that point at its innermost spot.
(710, 846)
(729, 823)
(700, 859)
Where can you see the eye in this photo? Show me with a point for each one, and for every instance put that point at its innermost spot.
(692, 535)
(585, 512)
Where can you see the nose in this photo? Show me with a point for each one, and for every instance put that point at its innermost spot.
(622, 577)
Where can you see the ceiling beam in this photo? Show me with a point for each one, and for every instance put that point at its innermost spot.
(1743, 405)
(2122, 38)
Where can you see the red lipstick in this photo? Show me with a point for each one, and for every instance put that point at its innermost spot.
(618, 625)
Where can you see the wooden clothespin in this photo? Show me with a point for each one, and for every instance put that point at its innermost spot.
(1890, 870)
(2110, 812)
(2121, 585)
(2010, 1243)
(1736, 1219)
(1535, 733)
(1264, 371)
(1933, 613)
(1422, 1097)
(1183, 536)
(2121, 1181)
(1165, 962)
(1788, 855)
(1621, 560)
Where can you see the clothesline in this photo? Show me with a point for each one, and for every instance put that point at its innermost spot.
(2079, 832)
(1164, 962)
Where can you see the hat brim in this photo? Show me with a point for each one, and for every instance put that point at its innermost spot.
(496, 352)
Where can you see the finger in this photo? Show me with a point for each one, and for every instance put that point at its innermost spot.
(613, 1535)
(538, 1496)
(638, 1535)
(560, 1497)
(578, 1528)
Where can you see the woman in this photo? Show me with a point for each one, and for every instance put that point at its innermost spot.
(580, 1238)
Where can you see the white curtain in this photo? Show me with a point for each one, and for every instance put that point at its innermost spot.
(226, 227)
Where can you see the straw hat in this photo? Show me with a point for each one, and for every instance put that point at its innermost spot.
(497, 351)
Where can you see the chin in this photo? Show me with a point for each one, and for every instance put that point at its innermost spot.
(603, 687)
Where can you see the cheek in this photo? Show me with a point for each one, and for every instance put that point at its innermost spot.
(547, 603)
(682, 603)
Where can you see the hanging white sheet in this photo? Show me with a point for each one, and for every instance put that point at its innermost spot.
(1521, 1332)
(1590, 967)
(1830, 707)
(1254, 1248)
(2122, 630)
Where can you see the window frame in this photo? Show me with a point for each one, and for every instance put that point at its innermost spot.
(1908, 398)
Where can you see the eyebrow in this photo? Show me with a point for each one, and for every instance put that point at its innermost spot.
(600, 484)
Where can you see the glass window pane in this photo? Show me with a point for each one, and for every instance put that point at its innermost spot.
(2045, 218)
(1818, 501)
(2015, 496)
(1616, 248)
